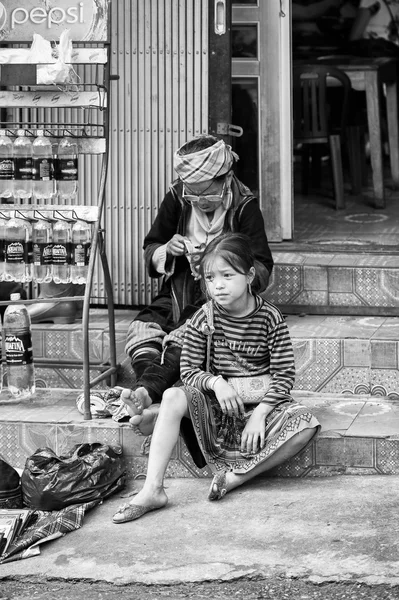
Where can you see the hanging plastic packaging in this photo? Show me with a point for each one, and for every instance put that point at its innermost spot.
(53, 62)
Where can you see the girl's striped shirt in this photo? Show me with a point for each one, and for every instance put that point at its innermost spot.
(252, 345)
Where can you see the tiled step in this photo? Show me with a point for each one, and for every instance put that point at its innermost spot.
(53, 342)
(360, 435)
(346, 354)
(331, 282)
(334, 354)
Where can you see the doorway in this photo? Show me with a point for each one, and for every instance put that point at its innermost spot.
(261, 48)
(316, 219)
(258, 33)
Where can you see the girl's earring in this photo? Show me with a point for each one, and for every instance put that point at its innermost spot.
(249, 288)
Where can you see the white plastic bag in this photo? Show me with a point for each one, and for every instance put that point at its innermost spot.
(58, 71)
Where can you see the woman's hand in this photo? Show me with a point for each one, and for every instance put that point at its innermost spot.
(176, 246)
(253, 436)
(230, 402)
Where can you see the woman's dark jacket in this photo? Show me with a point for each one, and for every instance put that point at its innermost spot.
(244, 216)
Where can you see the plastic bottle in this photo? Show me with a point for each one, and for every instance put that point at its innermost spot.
(61, 269)
(42, 173)
(18, 350)
(67, 170)
(3, 225)
(81, 242)
(1, 356)
(22, 151)
(42, 251)
(16, 250)
(6, 167)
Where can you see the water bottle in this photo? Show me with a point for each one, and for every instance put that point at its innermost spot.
(3, 225)
(18, 350)
(42, 251)
(61, 269)
(16, 250)
(42, 173)
(67, 170)
(1, 357)
(6, 167)
(22, 151)
(81, 242)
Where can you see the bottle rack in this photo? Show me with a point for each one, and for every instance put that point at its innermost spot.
(89, 104)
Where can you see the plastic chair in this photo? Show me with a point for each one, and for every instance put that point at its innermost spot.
(312, 125)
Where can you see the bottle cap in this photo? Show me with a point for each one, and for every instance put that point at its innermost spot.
(14, 297)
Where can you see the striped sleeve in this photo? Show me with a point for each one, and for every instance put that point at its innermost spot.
(193, 356)
(282, 362)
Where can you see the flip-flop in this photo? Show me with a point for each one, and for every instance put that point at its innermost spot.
(218, 487)
(131, 512)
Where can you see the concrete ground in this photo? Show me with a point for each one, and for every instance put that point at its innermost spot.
(342, 528)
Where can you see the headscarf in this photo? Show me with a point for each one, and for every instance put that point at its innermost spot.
(205, 164)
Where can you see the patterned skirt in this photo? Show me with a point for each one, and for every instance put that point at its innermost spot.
(219, 435)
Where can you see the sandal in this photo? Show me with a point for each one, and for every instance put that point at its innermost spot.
(131, 512)
(218, 487)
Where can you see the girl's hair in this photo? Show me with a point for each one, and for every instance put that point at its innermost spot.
(235, 249)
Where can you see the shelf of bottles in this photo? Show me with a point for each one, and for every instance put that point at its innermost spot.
(89, 138)
(43, 243)
(45, 235)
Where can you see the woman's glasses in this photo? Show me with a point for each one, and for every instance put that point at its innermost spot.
(192, 199)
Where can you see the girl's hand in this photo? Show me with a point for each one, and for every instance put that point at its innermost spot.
(253, 436)
(176, 246)
(230, 402)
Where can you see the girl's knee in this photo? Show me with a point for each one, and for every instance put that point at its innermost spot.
(304, 437)
(174, 399)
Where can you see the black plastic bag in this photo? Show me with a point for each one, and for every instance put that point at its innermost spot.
(87, 472)
(10, 486)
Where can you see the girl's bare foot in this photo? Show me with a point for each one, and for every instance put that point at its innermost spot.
(143, 502)
(144, 424)
(135, 400)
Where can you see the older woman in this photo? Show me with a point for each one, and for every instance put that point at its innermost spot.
(205, 201)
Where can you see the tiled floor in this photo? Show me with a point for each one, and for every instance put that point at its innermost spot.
(359, 435)
(338, 414)
(317, 221)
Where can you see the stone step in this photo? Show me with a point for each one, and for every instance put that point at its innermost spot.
(53, 342)
(333, 282)
(346, 354)
(360, 435)
(334, 354)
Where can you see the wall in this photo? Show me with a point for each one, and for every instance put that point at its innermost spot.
(159, 50)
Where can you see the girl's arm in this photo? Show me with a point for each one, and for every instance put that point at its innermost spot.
(193, 356)
(282, 364)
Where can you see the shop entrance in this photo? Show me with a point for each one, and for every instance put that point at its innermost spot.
(262, 59)
(259, 103)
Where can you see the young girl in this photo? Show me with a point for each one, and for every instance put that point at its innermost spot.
(237, 369)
